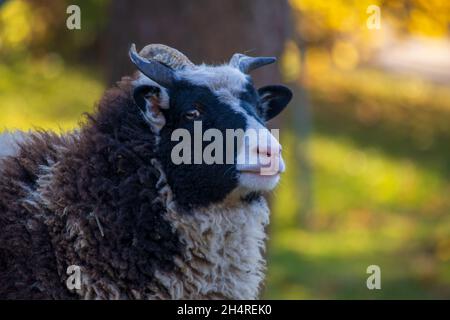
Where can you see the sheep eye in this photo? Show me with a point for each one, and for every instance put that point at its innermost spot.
(192, 115)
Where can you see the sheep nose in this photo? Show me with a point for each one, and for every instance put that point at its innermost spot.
(260, 152)
(269, 150)
(269, 156)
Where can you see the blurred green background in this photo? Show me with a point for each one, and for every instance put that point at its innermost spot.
(367, 139)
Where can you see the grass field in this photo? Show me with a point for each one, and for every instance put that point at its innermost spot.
(369, 208)
(381, 192)
(380, 179)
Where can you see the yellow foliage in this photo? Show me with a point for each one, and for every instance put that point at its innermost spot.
(345, 55)
(322, 20)
(45, 93)
(15, 24)
(291, 62)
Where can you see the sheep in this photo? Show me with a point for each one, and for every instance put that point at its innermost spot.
(108, 198)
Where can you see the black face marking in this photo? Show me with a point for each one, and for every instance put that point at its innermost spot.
(249, 102)
(249, 94)
(198, 184)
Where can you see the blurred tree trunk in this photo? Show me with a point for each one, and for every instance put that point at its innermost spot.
(303, 128)
(206, 31)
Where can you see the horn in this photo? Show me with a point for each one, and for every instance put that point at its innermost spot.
(247, 64)
(156, 71)
(167, 55)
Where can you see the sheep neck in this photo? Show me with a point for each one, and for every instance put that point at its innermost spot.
(224, 247)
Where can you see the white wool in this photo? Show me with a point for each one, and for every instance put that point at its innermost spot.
(224, 246)
(216, 78)
(9, 142)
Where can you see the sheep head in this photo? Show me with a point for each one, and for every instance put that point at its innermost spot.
(179, 99)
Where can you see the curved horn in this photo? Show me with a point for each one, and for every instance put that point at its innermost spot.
(153, 69)
(167, 55)
(247, 64)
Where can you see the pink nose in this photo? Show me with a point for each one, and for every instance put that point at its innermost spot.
(268, 150)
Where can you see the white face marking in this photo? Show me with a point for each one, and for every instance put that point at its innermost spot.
(216, 78)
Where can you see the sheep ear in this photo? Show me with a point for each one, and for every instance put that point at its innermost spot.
(273, 100)
(150, 100)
